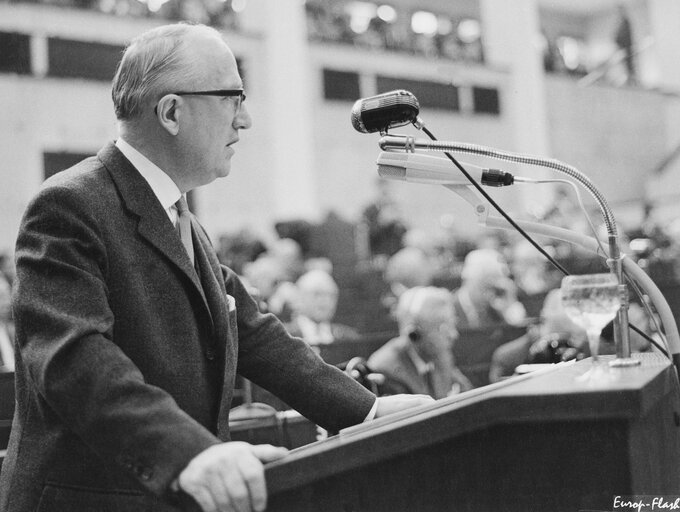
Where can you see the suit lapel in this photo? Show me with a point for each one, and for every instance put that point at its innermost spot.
(154, 224)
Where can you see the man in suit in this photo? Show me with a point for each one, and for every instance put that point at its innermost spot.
(128, 349)
(314, 307)
(487, 296)
(420, 359)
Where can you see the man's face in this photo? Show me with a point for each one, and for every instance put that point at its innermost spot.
(209, 125)
(438, 332)
(319, 302)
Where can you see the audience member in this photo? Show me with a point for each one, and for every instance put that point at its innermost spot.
(384, 223)
(290, 257)
(268, 284)
(624, 41)
(239, 249)
(420, 359)
(314, 307)
(407, 268)
(638, 317)
(487, 295)
(556, 338)
(531, 271)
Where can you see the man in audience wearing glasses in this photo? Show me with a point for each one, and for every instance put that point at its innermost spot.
(128, 329)
(420, 359)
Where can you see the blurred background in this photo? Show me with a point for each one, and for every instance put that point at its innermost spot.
(594, 83)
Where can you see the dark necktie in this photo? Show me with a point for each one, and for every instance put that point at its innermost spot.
(184, 226)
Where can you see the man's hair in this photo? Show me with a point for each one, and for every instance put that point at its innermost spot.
(314, 279)
(417, 301)
(153, 64)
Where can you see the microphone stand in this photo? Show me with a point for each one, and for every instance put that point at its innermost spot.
(615, 260)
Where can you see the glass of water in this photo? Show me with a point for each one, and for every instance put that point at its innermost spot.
(591, 301)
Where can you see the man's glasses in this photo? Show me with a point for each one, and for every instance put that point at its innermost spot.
(217, 92)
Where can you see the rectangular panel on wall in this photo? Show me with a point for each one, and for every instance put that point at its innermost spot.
(15, 53)
(486, 100)
(83, 59)
(430, 94)
(53, 162)
(341, 85)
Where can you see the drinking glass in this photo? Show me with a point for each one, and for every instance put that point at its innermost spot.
(591, 301)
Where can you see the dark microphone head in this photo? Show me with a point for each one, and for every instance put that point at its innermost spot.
(384, 111)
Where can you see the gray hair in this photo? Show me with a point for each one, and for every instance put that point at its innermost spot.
(416, 301)
(153, 65)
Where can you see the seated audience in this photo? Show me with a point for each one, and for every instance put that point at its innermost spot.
(487, 295)
(556, 338)
(638, 317)
(266, 282)
(384, 223)
(407, 268)
(314, 307)
(531, 271)
(420, 359)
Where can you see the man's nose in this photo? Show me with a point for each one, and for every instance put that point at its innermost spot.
(243, 121)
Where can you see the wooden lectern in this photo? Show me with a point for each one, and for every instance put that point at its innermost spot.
(545, 441)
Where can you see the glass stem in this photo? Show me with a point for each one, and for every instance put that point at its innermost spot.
(594, 342)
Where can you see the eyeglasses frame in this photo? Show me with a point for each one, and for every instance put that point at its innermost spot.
(215, 92)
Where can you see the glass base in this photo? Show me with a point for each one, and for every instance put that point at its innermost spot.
(624, 362)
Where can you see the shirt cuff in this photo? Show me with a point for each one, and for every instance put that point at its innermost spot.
(371, 413)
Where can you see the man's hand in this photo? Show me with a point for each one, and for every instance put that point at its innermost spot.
(395, 403)
(229, 477)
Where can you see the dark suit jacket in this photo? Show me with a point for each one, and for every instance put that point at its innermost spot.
(127, 358)
(401, 375)
(487, 317)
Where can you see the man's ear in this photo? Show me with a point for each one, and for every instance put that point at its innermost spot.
(168, 112)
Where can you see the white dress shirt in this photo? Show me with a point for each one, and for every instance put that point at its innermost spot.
(161, 184)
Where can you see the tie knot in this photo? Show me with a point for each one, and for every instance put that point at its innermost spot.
(182, 206)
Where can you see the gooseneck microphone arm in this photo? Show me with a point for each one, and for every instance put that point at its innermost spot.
(408, 143)
(615, 259)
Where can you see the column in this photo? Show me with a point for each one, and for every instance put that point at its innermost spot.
(289, 98)
(511, 32)
(511, 37)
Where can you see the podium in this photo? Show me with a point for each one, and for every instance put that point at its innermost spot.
(544, 441)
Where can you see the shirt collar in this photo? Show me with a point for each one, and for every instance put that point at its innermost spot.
(162, 185)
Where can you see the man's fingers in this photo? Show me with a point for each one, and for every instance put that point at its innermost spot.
(229, 477)
(253, 477)
(238, 491)
(268, 452)
(201, 496)
(227, 489)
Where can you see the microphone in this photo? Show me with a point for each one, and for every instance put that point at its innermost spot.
(384, 111)
(419, 168)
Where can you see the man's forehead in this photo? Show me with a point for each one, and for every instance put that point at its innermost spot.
(213, 54)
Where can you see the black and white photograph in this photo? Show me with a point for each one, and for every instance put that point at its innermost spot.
(339, 255)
